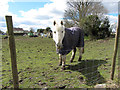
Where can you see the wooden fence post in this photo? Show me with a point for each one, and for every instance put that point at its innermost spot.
(12, 50)
(0, 60)
(115, 48)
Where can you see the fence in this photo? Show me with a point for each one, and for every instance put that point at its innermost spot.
(88, 68)
(12, 50)
(115, 48)
(0, 61)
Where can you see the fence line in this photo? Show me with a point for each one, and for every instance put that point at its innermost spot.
(94, 73)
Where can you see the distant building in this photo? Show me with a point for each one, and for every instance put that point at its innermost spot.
(26, 31)
(19, 31)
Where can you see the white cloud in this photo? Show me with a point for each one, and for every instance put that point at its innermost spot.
(37, 18)
(113, 19)
(43, 17)
(110, 1)
(3, 7)
(31, 1)
(4, 11)
(51, 10)
(112, 7)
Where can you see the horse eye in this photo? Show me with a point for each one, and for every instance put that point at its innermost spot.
(62, 31)
(54, 31)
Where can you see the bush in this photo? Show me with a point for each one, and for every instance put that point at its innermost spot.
(96, 28)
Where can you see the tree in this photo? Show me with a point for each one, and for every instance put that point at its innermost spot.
(96, 28)
(91, 26)
(105, 28)
(48, 29)
(78, 9)
(40, 30)
(32, 30)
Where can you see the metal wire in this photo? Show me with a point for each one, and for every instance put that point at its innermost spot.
(93, 74)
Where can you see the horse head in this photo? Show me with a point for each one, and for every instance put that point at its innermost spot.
(58, 34)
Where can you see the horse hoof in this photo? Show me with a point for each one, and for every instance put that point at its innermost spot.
(63, 68)
(60, 64)
(79, 59)
(71, 61)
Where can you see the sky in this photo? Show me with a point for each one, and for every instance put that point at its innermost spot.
(38, 14)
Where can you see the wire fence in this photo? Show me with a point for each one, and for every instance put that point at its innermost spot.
(92, 70)
(0, 61)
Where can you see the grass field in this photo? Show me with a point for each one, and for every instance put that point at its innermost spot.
(38, 64)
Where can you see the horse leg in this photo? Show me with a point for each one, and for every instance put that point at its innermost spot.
(60, 59)
(63, 61)
(73, 55)
(81, 51)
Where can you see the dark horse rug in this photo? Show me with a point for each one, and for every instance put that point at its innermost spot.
(74, 37)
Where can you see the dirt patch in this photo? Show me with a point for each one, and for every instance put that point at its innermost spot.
(109, 84)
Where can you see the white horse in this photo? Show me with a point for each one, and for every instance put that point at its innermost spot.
(67, 40)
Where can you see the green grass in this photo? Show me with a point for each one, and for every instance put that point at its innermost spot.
(38, 64)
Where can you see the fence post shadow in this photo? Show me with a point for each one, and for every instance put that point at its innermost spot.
(89, 69)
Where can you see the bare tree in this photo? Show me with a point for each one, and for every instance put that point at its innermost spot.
(77, 10)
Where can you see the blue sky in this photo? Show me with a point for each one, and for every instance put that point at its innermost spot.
(113, 14)
(42, 13)
(15, 7)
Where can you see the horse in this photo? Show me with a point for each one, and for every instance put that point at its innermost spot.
(66, 40)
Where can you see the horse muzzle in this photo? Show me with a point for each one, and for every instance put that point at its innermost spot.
(59, 46)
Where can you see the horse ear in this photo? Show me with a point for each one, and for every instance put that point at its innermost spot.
(54, 23)
(61, 22)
